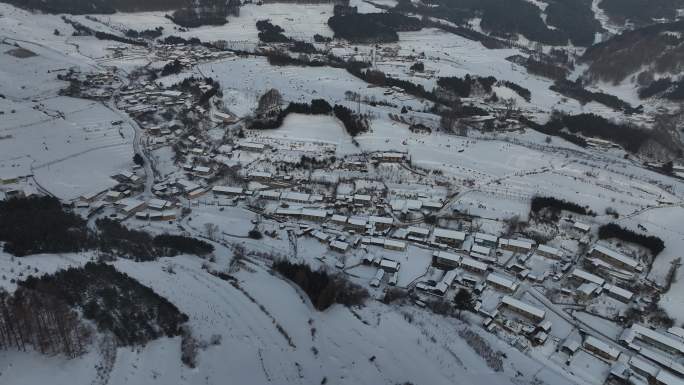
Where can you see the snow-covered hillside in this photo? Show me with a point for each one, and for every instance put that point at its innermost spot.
(156, 135)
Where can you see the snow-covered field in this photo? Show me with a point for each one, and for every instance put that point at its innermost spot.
(269, 331)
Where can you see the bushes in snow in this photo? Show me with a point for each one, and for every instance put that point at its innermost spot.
(494, 359)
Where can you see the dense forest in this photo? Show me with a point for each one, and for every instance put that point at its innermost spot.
(612, 230)
(654, 48)
(115, 238)
(322, 288)
(205, 12)
(316, 107)
(555, 206)
(641, 11)
(576, 18)
(631, 138)
(576, 91)
(115, 302)
(573, 19)
(35, 225)
(77, 7)
(370, 27)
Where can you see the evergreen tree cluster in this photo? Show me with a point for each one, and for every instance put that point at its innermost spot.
(322, 288)
(316, 107)
(115, 302)
(116, 238)
(372, 27)
(35, 225)
(651, 242)
(555, 205)
(39, 224)
(575, 90)
(354, 124)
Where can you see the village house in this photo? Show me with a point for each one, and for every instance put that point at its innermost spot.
(473, 265)
(225, 118)
(227, 190)
(338, 219)
(653, 338)
(549, 252)
(391, 244)
(202, 170)
(452, 238)
(381, 223)
(583, 276)
(339, 246)
(486, 240)
(362, 199)
(314, 215)
(417, 231)
(523, 308)
(445, 260)
(261, 176)
(158, 204)
(581, 227)
(357, 223)
(269, 195)
(252, 147)
(618, 293)
(600, 348)
(516, 245)
(295, 197)
(501, 283)
(389, 265)
(196, 193)
(167, 215)
(479, 249)
(390, 157)
(614, 258)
